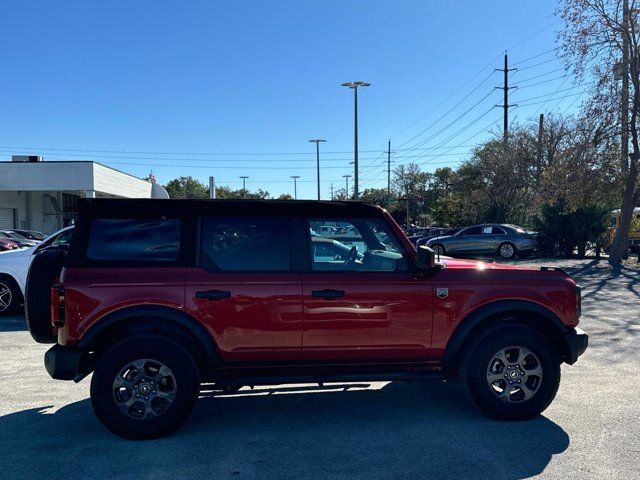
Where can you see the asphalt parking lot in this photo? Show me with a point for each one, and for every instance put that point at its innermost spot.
(377, 430)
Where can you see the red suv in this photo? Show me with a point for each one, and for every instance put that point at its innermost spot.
(156, 297)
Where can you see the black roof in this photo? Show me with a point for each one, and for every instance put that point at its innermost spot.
(133, 208)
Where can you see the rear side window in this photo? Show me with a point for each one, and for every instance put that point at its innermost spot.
(245, 244)
(134, 240)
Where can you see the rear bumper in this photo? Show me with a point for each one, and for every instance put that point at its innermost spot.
(576, 342)
(64, 363)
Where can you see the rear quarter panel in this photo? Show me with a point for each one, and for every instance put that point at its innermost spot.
(92, 293)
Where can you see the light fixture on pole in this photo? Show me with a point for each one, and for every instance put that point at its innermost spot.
(317, 141)
(244, 184)
(295, 185)
(346, 178)
(354, 86)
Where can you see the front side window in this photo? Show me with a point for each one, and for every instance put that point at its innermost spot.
(245, 244)
(354, 245)
(118, 240)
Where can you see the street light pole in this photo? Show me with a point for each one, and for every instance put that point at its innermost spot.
(295, 185)
(244, 184)
(346, 178)
(317, 141)
(354, 86)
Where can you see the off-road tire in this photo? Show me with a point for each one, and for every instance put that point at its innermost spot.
(187, 386)
(475, 363)
(45, 268)
(11, 295)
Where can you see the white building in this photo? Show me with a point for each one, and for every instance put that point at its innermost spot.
(43, 196)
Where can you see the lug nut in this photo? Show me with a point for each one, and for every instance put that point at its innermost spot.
(146, 398)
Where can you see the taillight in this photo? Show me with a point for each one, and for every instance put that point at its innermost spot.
(578, 300)
(57, 305)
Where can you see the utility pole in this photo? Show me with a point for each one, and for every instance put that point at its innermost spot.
(354, 86)
(346, 178)
(540, 134)
(331, 191)
(317, 141)
(505, 87)
(244, 184)
(212, 188)
(389, 171)
(295, 186)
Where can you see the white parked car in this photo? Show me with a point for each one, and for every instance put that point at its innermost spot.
(14, 266)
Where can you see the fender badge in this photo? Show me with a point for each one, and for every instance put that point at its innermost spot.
(442, 292)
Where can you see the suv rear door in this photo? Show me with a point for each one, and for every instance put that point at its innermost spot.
(363, 303)
(243, 289)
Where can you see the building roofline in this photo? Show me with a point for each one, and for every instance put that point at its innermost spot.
(49, 162)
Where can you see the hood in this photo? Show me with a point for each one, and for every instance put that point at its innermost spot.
(479, 265)
(18, 252)
(441, 237)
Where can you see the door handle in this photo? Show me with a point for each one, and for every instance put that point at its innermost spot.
(214, 294)
(328, 293)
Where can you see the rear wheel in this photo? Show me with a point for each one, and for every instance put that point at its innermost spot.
(144, 387)
(10, 295)
(511, 372)
(507, 250)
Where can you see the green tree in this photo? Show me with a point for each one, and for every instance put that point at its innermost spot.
(601, 43)
(186, 187)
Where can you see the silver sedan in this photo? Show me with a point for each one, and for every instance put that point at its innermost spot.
(505, 240)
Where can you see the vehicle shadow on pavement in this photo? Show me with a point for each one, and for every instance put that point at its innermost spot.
(419, 430)
(12, 324)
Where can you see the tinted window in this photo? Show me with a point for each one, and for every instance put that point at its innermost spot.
(134, 240)
(498, 231)
(472, 231)
(245, 244)
(354, 245)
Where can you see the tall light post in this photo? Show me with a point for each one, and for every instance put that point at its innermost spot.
(354, 86)
(295, 185)
(317, 141)
(244, 184)
(346, 178)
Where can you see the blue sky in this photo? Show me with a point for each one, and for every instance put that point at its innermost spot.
(183, 82)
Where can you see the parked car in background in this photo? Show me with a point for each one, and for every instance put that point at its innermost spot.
(14, 266)
(7, 244)
(19, 239)
(420, 233)
(30, 234)
(438, 232)
(505, 240)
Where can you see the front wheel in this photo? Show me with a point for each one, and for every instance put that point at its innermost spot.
(438, 249)
(10, 296)
(144, 387)
(512, 372)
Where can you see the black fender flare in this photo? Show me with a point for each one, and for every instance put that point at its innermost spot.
(496, 309)
(155, 312)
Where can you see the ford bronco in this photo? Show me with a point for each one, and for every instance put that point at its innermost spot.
(156, 297)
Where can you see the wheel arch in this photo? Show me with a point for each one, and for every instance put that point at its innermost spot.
(523, 312)
(155, 319)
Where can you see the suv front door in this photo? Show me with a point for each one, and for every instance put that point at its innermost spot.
(363, 303)
(243, 290)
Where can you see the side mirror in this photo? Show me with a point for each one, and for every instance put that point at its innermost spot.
(426, 258)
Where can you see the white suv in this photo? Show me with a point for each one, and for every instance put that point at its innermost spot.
(14, 266)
